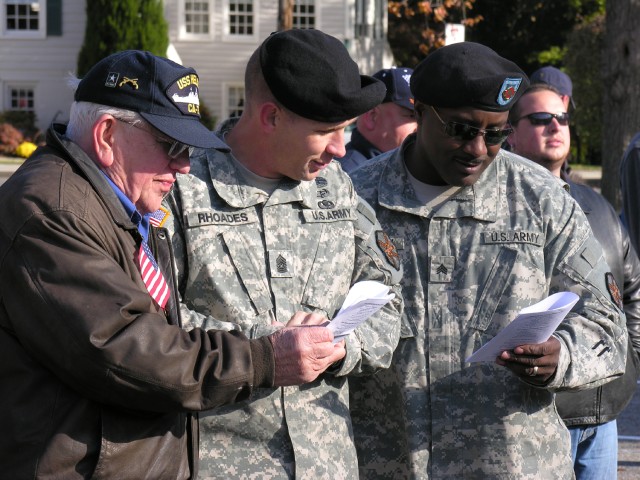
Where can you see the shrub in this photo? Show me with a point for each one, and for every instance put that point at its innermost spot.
(23, 121)
(10, 138)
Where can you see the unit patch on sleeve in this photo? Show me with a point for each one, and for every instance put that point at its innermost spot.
(614, 291)
(388, 248)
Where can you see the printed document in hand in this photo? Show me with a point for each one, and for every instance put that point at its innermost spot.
(534, 324)
(363, 300)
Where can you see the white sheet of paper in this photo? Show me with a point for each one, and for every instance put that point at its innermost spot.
(363, 300)
(534, 324)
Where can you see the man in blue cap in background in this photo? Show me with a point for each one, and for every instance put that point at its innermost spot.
(482, 234)
(556, 78)
(385, 126)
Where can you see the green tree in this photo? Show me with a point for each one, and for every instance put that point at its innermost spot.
(583, 61)
(531, 33)
(114, 25)
(417, 27)
(621, 92)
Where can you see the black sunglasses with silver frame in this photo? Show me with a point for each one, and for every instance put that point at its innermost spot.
(465, 133)
(545, 118)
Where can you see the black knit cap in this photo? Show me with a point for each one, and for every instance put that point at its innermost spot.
(468, 74)
(163, 92)
(312, 74)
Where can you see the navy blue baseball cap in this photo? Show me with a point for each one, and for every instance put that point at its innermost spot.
(397, 81)
(556, 78)
(163, 92)
(312, 74)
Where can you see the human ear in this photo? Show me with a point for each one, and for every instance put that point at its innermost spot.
(103, 140)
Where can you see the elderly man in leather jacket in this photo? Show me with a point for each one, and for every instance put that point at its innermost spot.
(541, 133)
(98, 378)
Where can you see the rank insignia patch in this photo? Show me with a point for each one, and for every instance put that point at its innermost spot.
(389, 250)
(614, 291)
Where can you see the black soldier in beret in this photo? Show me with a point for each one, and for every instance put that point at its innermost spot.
(482, 234)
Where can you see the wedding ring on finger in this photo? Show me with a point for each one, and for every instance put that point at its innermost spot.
(534, 372)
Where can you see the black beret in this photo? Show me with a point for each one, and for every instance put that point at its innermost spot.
(312, 74)
(468, 74)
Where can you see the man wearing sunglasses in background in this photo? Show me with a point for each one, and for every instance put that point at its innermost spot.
(482, 233)
(541, 133)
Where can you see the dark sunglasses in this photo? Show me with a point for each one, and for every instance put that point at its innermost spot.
(465, 133)
(544, 118)
(173, 148)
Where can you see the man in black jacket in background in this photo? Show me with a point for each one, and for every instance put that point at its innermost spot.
(541, 133)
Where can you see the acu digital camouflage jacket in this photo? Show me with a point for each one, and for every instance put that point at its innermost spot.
(470, 265)
(245, 260)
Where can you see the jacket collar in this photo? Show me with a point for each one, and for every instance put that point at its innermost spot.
(228, 183)
(76, 156)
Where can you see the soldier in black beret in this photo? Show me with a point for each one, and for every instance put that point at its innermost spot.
(276, 225)
(481, 233)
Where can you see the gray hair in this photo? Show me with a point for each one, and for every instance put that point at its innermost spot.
(83, 115)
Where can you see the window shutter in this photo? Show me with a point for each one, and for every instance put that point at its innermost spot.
(54, 18)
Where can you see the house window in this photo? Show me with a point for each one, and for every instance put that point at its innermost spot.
(235, 100)
(240, 19)
(21, 98)
(197, 18)
(23, 18)
(304, 14)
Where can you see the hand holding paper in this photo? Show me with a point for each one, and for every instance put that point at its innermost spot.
(363, 300)
(534, 324)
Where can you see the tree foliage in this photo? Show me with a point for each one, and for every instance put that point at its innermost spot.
(417, 27)
(582, 62)
(114, 25)
(621, 92)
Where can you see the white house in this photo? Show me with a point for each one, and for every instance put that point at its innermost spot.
(40, 41)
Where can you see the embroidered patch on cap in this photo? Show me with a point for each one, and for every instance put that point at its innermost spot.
(614, 291)
(112, 80)
(388, 248)
(508, 90)
(184, 94)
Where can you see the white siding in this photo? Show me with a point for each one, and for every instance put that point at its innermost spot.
(46, 63)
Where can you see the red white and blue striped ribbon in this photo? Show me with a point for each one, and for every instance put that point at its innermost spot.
(152, 276)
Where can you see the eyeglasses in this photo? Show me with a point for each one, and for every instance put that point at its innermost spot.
(465, 133)
(173, 148)
(544, 118)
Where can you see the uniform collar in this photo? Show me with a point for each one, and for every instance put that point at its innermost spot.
(480, 201)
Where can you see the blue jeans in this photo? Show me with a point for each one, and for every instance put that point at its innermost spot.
(594, 449)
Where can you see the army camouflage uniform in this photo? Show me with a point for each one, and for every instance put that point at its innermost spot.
(245, 261)
(507, 242)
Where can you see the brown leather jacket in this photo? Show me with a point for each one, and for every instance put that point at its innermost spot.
(96, 381)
